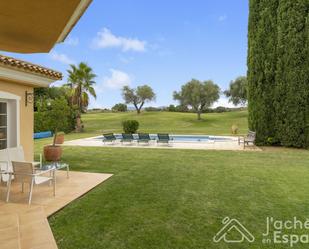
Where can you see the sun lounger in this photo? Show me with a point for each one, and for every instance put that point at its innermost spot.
(109, 137)
(163, 138)
(143, 138)
(127, 138)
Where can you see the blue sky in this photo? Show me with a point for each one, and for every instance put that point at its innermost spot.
(160, 43)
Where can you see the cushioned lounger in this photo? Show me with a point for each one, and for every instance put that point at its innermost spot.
(143, 138)
(127, 138)
(163, 138)
(109, 137)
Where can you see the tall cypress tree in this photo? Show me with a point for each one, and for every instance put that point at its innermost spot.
(292, 86)
(262, 37)
(278, 71)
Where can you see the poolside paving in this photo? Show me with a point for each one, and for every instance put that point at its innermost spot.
(26, 227)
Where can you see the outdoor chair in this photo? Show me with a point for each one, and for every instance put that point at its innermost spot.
(109, 137)
(143, 138)
(127, 138)
(163, 138)
(4, 165)
(13, 154)
(248, 139)
(24, 172)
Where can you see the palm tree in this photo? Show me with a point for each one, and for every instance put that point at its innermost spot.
(81, 84)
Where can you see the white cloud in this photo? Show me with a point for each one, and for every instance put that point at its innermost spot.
(63, 58)
(71, 41)
(222, 18)
(106, 39)
(117, 79)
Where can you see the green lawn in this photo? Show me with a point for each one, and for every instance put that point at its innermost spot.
(176, 199)
(155, 122)
(171, 122)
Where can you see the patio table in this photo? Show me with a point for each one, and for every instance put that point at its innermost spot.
(56, 166)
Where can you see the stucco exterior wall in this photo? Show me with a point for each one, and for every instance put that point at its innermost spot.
(26, 115)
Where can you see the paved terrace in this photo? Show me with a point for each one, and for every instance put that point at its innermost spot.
(26, 227)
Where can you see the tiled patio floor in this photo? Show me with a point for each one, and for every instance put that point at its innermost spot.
(26, 227)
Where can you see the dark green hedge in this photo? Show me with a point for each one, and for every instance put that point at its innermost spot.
(278, 71)
(41, 124)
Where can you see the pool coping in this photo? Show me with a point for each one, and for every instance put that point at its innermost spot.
(228, 145)
(230, 138)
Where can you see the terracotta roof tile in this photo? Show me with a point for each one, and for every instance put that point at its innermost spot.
(29, 67)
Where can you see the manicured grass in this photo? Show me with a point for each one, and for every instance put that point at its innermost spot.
(162, 199)
(177, 198)
(155, 122)
(171, 122)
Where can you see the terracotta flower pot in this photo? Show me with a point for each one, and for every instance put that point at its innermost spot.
(60, 139)
(52, 153)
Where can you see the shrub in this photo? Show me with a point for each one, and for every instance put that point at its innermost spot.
(72, 116)
(234, 129)
(272, 141)
(221, 109)
(130, 126)
(53, 114)
(178, 108)
(120, 107)
(153, 109)
(181, 108)
(40, 123)
(171, 108)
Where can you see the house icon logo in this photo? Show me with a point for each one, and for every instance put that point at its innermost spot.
(233, 227)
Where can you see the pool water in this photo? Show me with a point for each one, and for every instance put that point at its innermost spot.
(184, 138)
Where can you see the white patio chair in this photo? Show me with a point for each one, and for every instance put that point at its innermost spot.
(13, 154)
(4, 165)
(17, 154)
(24, 172)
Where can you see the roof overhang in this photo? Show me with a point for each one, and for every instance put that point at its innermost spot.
(24, 78)
(27, 73)
(32, 26)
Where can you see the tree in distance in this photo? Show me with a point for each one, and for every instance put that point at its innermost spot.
(120, 107)
(198, 95)
(138, 96)
(238, 91)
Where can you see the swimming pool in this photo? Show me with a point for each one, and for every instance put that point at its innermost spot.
(185, 138)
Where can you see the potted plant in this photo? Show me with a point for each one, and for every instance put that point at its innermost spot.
(56, 115)
(60, 138)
